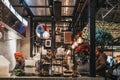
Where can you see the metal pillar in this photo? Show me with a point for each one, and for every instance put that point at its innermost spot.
(51, 3)
(31, 34)
(91, 25)
(53, 35)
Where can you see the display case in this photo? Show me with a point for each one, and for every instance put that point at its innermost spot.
(56, 65)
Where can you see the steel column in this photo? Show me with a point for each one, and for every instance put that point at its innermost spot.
(91, 25)
(51, 4)
(53, 35)
(31, 34)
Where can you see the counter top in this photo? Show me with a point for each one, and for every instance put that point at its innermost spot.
(50, 78)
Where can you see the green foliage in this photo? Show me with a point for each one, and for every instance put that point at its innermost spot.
(19, 72)
(102, 37)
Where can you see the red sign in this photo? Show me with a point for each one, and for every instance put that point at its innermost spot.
(68, 37)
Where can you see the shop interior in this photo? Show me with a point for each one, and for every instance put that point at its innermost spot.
(57, 37)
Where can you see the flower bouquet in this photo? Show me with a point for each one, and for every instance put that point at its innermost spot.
(81, 45)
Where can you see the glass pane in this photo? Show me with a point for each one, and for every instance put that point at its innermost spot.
(67, 11)
(40, 11)
(68, 2)
(37, 2)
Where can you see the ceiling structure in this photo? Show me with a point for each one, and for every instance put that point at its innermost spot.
(66, 13)
(43, 11)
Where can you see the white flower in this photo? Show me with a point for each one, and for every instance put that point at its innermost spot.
(75, 44)
(79, 40)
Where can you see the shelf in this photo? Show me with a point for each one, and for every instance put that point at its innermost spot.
(57, 64)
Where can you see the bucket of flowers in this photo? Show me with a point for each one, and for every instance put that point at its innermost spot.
(80, 46)
(82, 52)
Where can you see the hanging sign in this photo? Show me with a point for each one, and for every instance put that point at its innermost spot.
(42, 31)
